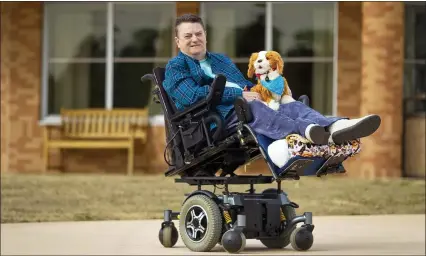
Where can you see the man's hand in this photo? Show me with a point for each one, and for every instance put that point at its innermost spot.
(248, 87)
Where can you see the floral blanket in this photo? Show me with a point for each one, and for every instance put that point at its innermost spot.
(300, 146)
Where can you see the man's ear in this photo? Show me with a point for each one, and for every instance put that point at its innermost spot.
(177, 41)
(251, 70)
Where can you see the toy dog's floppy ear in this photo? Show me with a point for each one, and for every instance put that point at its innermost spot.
(250, 71)
(276, 61)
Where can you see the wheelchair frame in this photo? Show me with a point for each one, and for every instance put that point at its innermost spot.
(231, 218)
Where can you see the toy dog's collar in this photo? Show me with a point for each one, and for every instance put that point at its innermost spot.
(267, 77)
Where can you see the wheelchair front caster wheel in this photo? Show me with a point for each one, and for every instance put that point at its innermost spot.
(233, 241)
(168, 234)
(301, 239)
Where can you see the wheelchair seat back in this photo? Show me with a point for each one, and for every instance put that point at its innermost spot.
(169, 108)
(187, 132)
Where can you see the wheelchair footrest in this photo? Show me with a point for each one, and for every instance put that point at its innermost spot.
(332, 165)
(296, 169)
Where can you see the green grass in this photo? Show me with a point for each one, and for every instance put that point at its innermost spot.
(61, 197)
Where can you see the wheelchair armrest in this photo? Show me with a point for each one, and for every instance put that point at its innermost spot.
(304, 99)
(202, 105)
(212, 100)
(217, 88)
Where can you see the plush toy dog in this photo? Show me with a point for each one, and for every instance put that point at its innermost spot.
(268, 67)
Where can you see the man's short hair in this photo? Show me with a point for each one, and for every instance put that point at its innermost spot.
(191, 18)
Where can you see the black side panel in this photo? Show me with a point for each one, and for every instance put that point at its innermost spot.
(254, 215)
(272, 219)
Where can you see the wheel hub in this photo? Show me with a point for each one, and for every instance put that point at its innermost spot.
(196, 223)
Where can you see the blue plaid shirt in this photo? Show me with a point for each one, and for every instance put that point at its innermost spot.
(186, 83)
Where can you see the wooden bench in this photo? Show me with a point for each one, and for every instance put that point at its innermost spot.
(99, 129)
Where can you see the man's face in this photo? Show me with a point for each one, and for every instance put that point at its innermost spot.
(191, 40)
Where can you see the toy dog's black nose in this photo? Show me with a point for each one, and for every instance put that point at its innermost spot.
(259, 61)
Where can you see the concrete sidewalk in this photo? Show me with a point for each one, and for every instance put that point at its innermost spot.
(339, 235)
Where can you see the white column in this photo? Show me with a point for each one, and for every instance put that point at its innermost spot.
(110, 57)
(269, 26)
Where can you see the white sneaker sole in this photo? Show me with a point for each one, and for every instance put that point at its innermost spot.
(363, 128)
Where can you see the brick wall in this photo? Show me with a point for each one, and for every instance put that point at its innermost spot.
(187, 7)
(349, 59)
(382, 85)
(20, 85)
(349, 66)
(370, 72)
(4, 93)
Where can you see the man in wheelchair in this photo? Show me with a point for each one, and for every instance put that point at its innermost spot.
(202, 93)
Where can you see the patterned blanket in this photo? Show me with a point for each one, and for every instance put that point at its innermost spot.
(300, 146)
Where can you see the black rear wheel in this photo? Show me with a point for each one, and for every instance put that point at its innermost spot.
(200, 224)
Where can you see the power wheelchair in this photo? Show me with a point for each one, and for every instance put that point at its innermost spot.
(202, 151)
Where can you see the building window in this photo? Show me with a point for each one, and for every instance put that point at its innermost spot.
(238, 35)
(76, 55)
(144, 39)
(303, 34)
(81, 42)
(415, 58)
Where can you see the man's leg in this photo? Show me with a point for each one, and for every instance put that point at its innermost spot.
(276, 125)
(298, 110)
(341, 129)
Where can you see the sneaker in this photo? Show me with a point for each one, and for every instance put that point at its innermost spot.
(347, 130)
(317, 134)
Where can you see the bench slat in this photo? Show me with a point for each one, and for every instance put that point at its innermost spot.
(89, 144)
(104, 123)
(100, 128)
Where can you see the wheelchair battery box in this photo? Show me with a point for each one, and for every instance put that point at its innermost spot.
(193, 135)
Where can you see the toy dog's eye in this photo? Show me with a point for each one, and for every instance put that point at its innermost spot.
(267, 58)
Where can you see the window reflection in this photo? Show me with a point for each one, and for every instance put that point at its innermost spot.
(77, 55)
(76, 30)
(415, 57)
(303, 29)
(143, 40)
(143, 29)
(236, 29)
(303, 35)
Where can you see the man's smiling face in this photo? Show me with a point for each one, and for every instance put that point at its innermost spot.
(191, 39)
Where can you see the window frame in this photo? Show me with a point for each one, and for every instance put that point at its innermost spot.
(412, 96)
(269, 40)
(158, 120)
(110, 60)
